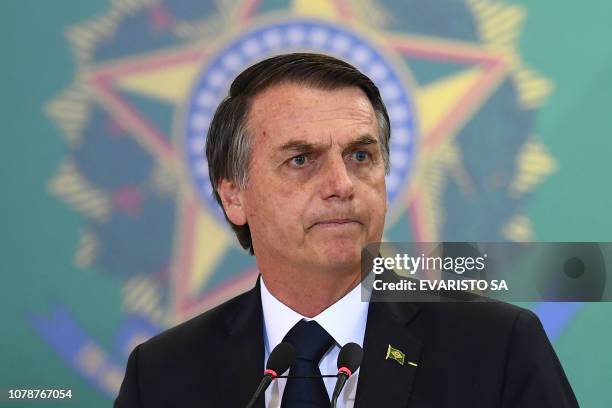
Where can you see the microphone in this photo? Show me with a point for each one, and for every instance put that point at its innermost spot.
(349, 360)
(279, 361)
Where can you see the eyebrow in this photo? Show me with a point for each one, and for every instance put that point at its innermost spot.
(301, 146)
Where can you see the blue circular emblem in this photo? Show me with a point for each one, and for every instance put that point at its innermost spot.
(212, 84)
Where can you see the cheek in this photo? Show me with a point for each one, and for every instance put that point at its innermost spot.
(377, 203)
(275, 209)
(377, 189)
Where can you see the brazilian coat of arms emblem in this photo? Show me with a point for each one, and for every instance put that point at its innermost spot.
(462, 105)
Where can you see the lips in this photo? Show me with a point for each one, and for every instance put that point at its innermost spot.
(336, 222)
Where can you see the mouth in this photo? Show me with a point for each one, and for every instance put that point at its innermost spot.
(337, 223)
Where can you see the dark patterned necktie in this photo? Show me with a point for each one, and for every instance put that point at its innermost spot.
(311, 342)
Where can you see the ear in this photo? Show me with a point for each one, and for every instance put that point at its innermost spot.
(233, 201)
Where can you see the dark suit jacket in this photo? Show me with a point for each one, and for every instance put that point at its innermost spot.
(468, 354)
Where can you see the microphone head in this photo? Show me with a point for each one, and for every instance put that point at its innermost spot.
(281, 358)
(350, 357)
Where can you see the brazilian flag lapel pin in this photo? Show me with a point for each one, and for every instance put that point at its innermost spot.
(398, 356)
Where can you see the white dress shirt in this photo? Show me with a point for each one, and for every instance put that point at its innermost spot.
(345, 321)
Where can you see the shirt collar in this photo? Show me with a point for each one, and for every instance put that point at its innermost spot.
(345, 320)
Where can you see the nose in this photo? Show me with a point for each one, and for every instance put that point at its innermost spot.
(336, 180)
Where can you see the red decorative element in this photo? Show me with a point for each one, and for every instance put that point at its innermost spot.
(159, 17)
(128, 199)
(271, 372)
(345, 371)
(115, 129)
(248, 9)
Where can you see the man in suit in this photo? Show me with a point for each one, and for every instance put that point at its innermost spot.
(297, 157)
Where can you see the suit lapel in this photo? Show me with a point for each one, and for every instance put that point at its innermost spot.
(383, 381)
(244, 350)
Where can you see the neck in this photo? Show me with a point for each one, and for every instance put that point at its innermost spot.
(309, 292)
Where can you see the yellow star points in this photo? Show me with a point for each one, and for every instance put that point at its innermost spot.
(442, 108)
(167, 84)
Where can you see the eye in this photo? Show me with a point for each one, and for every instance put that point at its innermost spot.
(361, 155)
(299, 161)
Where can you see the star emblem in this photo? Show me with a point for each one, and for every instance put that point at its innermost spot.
(144, 95)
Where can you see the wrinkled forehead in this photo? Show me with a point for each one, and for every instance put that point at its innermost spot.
(297, 110)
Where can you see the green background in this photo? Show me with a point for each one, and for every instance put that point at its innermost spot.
(568, 42)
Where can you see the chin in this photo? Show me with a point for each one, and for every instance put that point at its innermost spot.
(343, 254)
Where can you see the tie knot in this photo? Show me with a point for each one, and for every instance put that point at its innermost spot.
(310, 340)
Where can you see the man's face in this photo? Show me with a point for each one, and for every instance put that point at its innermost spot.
(316, 193)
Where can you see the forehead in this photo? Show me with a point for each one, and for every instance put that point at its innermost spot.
(296, 110)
